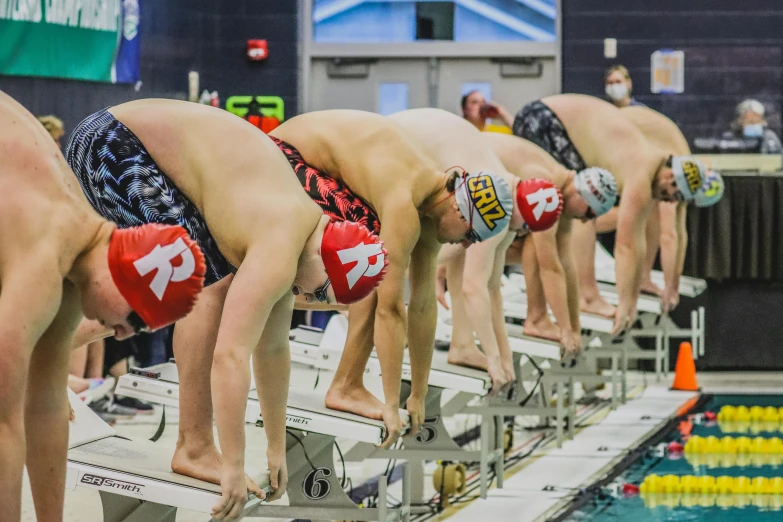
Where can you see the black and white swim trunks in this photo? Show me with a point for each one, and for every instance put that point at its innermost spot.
(539, 124)
(124, 185)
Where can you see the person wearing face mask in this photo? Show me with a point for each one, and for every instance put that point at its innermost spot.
(619, 86)
(751, 125)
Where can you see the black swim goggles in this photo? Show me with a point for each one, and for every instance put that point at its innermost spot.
(321, 294)
(137, 323)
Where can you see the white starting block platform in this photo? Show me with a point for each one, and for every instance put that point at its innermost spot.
(133, 477)
(314, 489)
(322, 350)
(515, 308)
(550, 481)
(605, 272)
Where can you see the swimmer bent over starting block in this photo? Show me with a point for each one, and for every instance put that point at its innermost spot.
(547, 258)
(582, 131)
(60, 261)
(264, 240)
(363, 166)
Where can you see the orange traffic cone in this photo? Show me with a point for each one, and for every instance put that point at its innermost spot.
(685, 371)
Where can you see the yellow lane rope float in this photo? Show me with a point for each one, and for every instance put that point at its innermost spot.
(769, 414)
(733, 460)
(734, 445)
(708, 485)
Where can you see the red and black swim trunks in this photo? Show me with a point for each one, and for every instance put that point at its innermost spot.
(332, 195)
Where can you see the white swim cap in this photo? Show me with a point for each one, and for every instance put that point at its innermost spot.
(484, 199)
(598, 188)
(689, 175)
(712, 190)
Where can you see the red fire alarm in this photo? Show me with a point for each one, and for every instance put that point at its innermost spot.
(257, 50)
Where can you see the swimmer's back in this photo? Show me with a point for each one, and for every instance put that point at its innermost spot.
(519, 154)
(658, 129)
(358, 147)
(30, 158)
(450, 139)
(233, 173)
(594, 126)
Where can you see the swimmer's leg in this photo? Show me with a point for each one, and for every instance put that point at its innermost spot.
(95, 355)
(537, 322)
(77, 370)
(196, 454)
(347, 391)
(583, 242)
(463, 350)
(194, 345)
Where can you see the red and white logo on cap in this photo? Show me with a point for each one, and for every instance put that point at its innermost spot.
(361, 255)
(354, 259)
(544, 200)
(540, 203)
(160, 259)
(142, 258)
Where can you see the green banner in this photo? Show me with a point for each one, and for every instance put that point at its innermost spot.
(76, 39)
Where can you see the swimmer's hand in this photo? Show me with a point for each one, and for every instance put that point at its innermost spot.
(570, 342)
(234, 489)
(415, 407)
(278, 474)
(500, 377)
(71, 415)
(669, 299)
(623, 320)
(393, 422)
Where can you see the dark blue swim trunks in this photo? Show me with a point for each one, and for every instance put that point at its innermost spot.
(124, 185)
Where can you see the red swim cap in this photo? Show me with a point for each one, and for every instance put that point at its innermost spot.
(540, 203)
(354, 258)
(158, 269)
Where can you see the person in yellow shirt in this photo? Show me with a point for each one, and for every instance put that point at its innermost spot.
(476, 109)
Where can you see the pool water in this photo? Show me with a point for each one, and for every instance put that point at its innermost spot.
(695, 508)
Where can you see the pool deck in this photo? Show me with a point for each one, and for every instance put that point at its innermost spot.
(550, 479)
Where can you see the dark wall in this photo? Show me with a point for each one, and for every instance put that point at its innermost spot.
(733, 50)
(179, 36)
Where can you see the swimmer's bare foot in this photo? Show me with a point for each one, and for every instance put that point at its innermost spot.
(203, 464)
(356, 400)
(648, 287)
(544, 328)
(469, 356)
(596, 306)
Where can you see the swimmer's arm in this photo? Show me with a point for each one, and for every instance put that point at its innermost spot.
(653, 238)
(631, 245)
(46, 405)
(400, 233)
(671, 243)
(565, 251)
(682, 235)
(496, 302)
(479, 266)
(553, 275)
(90, 331)
(257, 286)
(272, 370)
(422, 315)
(28, 304)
